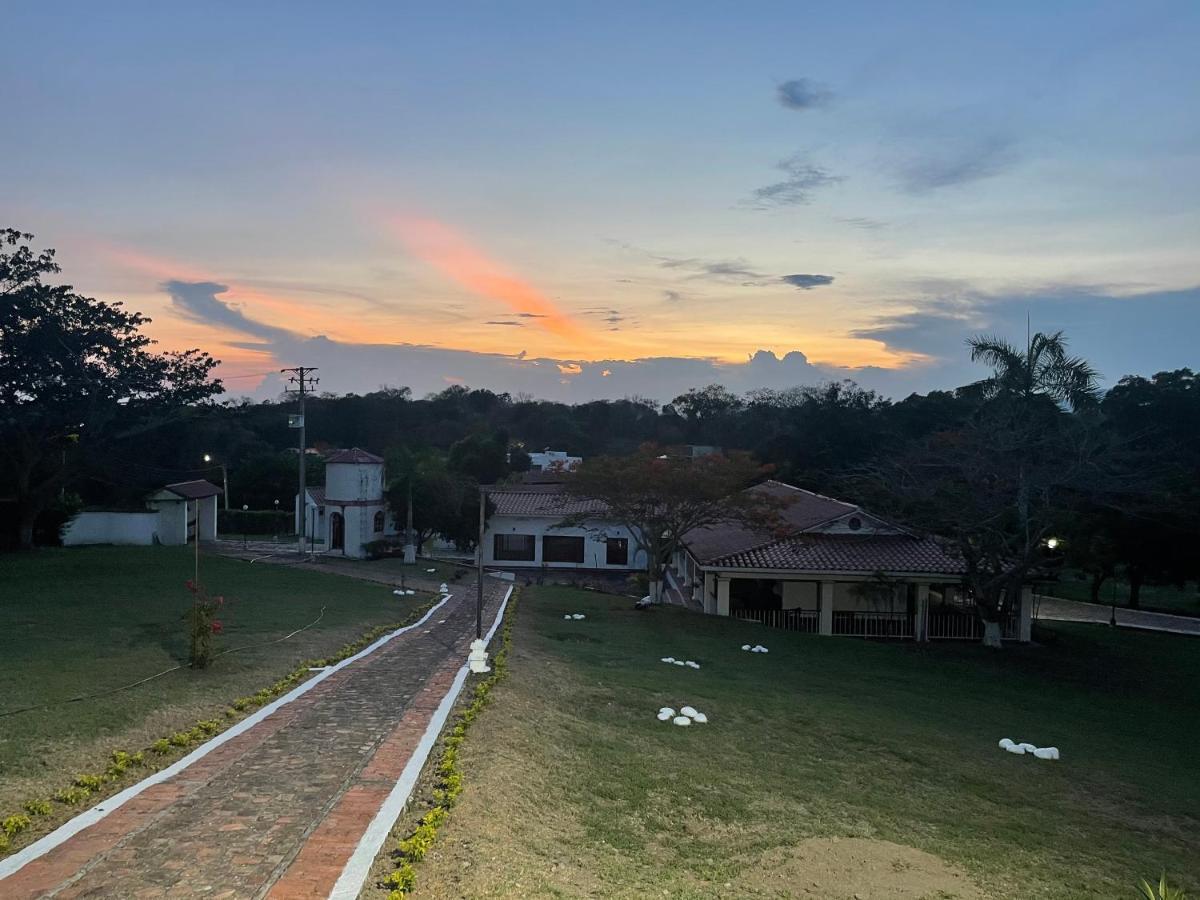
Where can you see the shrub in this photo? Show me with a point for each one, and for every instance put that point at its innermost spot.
(162, 746)
(72, 795)
(38, 807)
(1161, 891)
(381, 548)
(14, 825)
(90, 782)
(203, 624)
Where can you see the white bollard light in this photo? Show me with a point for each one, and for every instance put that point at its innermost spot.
(477, 658)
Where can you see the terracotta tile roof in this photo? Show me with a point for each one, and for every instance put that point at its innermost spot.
(542, 500)
(193, 490)
(318, 495)
(848, 553)
(353, 455)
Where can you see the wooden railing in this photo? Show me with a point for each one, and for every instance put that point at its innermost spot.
(872, 624)
(803, 620)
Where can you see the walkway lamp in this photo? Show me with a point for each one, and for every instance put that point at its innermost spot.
(224, 476)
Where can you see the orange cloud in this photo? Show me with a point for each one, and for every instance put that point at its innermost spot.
(440, 246)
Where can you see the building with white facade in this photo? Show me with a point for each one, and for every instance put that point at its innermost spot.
(523, 532)
(553, 460)
(175, 514)
(353, 510)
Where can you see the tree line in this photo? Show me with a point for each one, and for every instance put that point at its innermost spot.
(1032, 452)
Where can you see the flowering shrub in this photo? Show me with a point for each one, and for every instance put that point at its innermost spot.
(202, 625)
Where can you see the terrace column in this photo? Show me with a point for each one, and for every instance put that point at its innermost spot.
(1025, 615)
(825, 594)
(710, 593)
(722, 596)
(921, 622)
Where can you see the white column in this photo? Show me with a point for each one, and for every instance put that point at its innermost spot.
(722, 596)
(710, 593)
(921, 620)
(825, 595)
(1025, 615)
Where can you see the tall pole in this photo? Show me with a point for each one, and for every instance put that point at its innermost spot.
(225, 478)
(301, 377)
(479, 575)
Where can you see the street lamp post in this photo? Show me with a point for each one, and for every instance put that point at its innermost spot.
(245, 507)
(224, 477)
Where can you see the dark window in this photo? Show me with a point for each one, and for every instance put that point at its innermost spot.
(517, 547)
(618, 551)
(558, 548)
(378, 522)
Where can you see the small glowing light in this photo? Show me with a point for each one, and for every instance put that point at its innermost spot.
(1052, 543)
(207, 457)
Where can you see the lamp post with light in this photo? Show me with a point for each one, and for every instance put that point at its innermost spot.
(224, 477)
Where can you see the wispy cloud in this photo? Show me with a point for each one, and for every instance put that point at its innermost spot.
(672, 296)
(803, 93)
(803, 179)
(451, 253)
(510, 324)
(807, 282)
(198, 301)
(957, 163)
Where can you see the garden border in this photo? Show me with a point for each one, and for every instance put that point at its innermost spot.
(17, 861)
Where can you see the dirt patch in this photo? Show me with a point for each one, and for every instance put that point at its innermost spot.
(853, 869)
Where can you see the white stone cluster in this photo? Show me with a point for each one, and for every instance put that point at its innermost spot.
(672, 661)
(1021, 749)
(431, 570)
(444, 588)
(405, 593)
(757, 648)
(575, 616)
(687, 715)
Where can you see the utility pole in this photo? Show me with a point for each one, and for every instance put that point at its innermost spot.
(301, 377)
(479, 574)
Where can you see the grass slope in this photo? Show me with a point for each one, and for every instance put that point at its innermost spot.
(573, 788)
(84, 620)
(1166, 598)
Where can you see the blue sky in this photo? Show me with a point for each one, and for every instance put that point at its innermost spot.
(530, 195)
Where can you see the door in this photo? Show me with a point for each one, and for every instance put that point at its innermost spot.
(337, 532)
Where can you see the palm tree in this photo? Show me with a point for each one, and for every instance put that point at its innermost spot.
(1042, 369)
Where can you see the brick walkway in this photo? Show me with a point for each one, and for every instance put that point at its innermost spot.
(278, 809)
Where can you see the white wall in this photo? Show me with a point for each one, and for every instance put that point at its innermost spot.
(349, 481)
(137, 528)
(595, 551)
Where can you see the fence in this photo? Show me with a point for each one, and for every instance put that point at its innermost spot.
(961, 623)
(873, 624)
(803, 620)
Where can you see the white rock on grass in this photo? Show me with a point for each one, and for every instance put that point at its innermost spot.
(691, 663)
(682, 720)
(1015, 748)
(431, 570)
(700, 718)
(567, 616)
(678, 662)
(1046, 753)
(668, 659)
(688, 711)
(398, 592)
(578, 616)
(1005, 743)
(666, 711)
(745, 646)
(1027, 747)
(662, 716)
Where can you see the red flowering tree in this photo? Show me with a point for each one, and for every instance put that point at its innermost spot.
(203, 625)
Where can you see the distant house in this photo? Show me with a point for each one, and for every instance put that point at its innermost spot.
(350, 510)
(523, 532)
(551, 460)
(174, 514)
(835, 569)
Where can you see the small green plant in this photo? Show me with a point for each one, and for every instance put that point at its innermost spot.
(162, 746)
(72, 795)
(37, 807)
(15, 825)
(1161, 891)
(90, 782)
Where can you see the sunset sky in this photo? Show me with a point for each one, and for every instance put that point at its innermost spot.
(579, 200)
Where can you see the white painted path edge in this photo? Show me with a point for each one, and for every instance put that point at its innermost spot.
(358, 867)
(66, 831)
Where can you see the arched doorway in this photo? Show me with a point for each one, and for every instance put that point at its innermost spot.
(337, 532)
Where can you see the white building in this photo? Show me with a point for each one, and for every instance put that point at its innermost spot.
(831, 568)
(175, 514)
(553, 460)
(352, 507)
(523, 533)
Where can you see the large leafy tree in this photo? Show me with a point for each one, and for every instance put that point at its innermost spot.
(1000, 485)
(431, 498)
(660, 497)
(75, 374)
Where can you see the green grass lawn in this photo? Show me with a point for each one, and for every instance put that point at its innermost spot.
(85, 620)
(1161, 598)
(573, 788)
